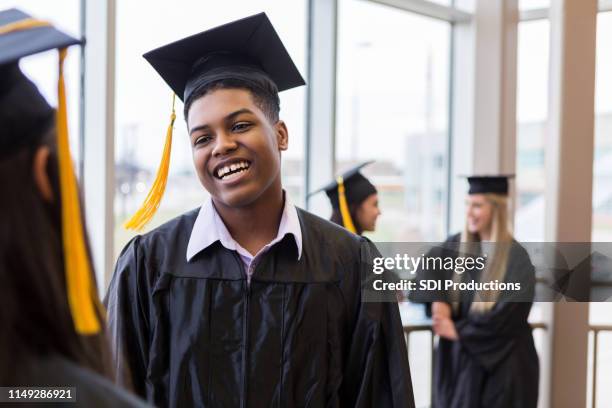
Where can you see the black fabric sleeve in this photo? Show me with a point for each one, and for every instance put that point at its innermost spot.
(377, 373)
(127, 305)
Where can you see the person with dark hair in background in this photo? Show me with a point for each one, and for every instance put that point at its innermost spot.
(248, 300)
(354, 201)
(51, 329)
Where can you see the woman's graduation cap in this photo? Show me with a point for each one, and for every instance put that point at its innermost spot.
(25, 116)
(489, 184)
(349, 188)
(243, 50)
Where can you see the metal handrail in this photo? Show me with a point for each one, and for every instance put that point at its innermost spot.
(412, 328)
(596, 328)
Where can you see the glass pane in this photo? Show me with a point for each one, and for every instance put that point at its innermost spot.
(143, 101)
(601, 313)
(533, 4)
(42, 68)
(443, 2)
(602, 169)
(532, 117)
(392, 107)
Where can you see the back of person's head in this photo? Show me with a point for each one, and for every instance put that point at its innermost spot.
(34, 314)
(48, 299)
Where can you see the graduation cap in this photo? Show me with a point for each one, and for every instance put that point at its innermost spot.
(25, 116)
(489, 184)
(245, 50)
(349, 188)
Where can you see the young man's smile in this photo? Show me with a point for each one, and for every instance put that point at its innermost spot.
(236, 148)
(232, 169)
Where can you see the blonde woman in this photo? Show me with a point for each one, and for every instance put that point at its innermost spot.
(486, 355)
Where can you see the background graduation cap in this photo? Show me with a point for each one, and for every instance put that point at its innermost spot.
(496, 184)
(349, 188)
(25, 116)
(243, 49)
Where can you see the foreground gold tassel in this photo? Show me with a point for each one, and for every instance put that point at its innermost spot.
(81, 291)
(82, 298)
(25, 24)
(151, 203)
(344, 208)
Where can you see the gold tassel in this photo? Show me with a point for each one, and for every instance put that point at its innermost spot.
(81, 291)
(25, 24)
(82, 297)
(344, 208)
(151, 203)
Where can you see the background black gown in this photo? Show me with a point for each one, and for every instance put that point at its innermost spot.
(494, 363)
(195, 334)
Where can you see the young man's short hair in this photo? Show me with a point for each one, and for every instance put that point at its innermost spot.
(262, 89)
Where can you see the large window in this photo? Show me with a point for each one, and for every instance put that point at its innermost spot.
(533, 4)
(532, 122)
(601, 313)
(602, 166)
(531, 128)
(143, 100)
(42, 68)
(392, 107)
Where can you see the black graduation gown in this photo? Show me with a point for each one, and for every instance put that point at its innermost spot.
(494, 363)
(92, 390)
(195, 334)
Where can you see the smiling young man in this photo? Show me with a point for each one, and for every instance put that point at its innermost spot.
(248, 301)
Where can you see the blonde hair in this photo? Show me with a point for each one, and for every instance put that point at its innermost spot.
(496, 266)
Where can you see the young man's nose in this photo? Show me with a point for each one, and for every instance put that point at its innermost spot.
(224, 144)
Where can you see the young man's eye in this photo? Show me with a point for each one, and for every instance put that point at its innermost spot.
(241, 126)
(201, 140)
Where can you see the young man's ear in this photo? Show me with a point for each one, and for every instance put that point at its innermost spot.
(282, 135)
(41, 178)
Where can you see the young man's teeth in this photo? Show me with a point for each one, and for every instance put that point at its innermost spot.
(223, 172)
(233, 174)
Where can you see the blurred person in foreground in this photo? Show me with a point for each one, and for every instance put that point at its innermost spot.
(51, 328)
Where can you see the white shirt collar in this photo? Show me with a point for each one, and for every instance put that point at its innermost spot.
(209, 228)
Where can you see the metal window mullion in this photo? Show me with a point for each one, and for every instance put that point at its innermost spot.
(429, 9)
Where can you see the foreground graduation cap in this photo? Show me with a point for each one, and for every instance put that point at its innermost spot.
(489, 184)
(349, 188)
(25, 117)
(24, 114)
(242, 50)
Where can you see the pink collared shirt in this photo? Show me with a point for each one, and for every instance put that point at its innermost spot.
(209, 228)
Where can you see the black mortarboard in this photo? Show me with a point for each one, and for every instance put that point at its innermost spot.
(244, 50)
(230, 50)
(489, 184)
(25, 116)
(24, 112)
(357, 187)
(349, 188)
